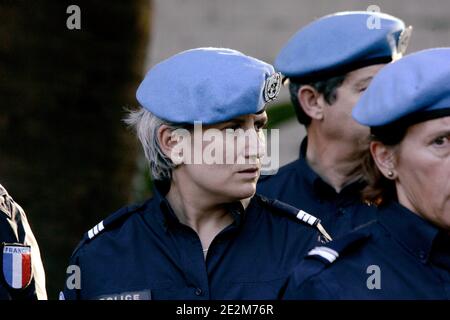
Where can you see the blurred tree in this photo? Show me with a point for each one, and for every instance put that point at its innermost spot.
(65, 155)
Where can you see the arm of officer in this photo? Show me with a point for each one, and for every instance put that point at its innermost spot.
(308, 282)
(72, 285)
(313, 288)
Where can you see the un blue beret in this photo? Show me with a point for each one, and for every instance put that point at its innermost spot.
(414, 87)
(342, 42)
(209, 85)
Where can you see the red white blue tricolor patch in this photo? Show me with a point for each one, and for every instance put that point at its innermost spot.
(17, 265)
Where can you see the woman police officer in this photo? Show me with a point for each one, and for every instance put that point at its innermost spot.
(204, 234)
(405, 253)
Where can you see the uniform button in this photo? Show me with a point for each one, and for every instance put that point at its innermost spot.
(341, 211)
(198, 292)
(422, 255)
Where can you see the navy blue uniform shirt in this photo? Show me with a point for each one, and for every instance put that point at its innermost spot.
(146, 253)
(298, 185)
(399, 256)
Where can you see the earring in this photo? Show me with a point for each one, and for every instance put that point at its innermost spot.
(390, 174)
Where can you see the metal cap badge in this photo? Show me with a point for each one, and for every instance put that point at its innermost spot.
(272, 87)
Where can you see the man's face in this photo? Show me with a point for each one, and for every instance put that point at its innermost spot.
(338, 123)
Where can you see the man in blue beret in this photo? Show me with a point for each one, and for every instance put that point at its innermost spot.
(204, 234)
(329, 63)
(405, 252)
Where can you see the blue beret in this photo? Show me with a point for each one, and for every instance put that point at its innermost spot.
(342, 42)
(210, 85)
(416, 85)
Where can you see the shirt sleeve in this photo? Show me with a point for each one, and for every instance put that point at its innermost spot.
(14, 228)
(313, 288)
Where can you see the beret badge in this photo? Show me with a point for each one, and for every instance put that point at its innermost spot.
(272, 87)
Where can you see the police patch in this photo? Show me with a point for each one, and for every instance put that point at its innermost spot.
(16, 262)
(131, 295)
(272, 87)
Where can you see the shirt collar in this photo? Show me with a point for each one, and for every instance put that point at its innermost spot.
(413, 232)
(320, 187)
(168, 216)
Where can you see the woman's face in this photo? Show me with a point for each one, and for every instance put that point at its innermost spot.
(230, 162)
(422, 168)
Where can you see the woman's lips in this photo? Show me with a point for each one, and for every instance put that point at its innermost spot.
(250, 172)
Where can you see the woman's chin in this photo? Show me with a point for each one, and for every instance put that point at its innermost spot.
(244, 191)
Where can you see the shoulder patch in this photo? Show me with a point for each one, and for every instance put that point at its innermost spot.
(300, 215)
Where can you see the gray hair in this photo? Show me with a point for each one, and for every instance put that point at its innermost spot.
(146, 126)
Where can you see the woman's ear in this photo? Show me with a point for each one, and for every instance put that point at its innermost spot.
(311, 101)
(384, 158)
(167, 141)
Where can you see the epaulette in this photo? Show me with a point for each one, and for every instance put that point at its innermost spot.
(322, 256)
(300, 215)
(113, 219)
(107, 223)
(328, 253)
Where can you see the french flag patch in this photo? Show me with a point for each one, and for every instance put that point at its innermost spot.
(17, 265)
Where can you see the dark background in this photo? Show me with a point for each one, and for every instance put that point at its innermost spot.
(65, 155)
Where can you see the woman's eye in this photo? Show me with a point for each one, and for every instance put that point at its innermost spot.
(441, 140)
(363, 89)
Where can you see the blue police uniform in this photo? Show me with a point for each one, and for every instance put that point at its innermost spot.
(144, 252)
(400, 255)
(22, 274)
(330, 46)
(297, 184)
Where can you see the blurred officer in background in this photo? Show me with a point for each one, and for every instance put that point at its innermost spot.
(329, 63)
(405, 254)
(22, 276)
(204, 234)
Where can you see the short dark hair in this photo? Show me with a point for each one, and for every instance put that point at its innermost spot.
(327, 87)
